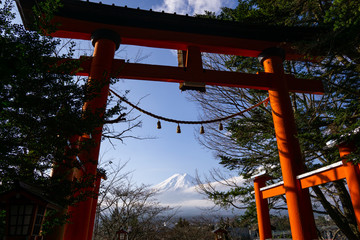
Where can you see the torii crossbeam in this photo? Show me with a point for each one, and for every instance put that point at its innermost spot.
(107, 26)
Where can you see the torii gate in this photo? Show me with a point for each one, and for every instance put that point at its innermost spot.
(107, 26)
(343, 169)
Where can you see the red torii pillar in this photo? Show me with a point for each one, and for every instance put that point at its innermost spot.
(262, 208)
(301, 217)
(352, 178)
(106, 42)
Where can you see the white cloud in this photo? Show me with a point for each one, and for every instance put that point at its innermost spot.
(190, 7)
(200, 6)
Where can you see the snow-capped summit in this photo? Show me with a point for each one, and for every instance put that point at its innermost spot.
(176, 182)
(180, 192)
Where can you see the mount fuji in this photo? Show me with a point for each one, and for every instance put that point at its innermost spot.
(180, 191)
(176, 182)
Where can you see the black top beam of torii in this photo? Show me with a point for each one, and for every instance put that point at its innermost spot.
(79, 19)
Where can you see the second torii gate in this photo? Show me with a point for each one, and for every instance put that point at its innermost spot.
(107, 26)
(340, 170)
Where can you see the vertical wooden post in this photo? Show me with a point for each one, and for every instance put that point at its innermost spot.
(67, 172)
(262, 208)
(353, 179)
(299, 206)
(94, 206)
(105, 43)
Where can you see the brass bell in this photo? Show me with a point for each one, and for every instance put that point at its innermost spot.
(202, 131)
(266, 103)
(178, 130)
(221, 127)
(158, 124)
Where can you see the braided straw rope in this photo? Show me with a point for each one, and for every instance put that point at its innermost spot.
(188, 122)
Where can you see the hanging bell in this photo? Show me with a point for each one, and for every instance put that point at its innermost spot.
(221, 127)
(202, 131)
(266, 103)
(178, 130)
(158, 124)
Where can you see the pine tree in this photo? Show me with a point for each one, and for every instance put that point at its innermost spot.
(40, 109)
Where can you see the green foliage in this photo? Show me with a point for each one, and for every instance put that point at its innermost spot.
(249, 217)
(52, 220)
(343, 14)
(46, 10)
(274, 12)
(39, 109)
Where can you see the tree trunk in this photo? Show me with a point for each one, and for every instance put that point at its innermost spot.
(339, 219)
(347, 206)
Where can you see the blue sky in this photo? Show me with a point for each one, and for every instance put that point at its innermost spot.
(152, 161)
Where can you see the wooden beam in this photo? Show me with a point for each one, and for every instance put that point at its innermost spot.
(79, 19)
(319, 176)
(273, 190)
(261, 81)
(322, 175)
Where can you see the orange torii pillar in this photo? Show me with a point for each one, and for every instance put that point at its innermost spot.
(301, 217)
(262, 208)
(352, 173)
(94, 204)
(68, 172)
(106, 42)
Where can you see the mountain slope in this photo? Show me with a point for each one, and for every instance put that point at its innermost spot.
(179, 191)
(176, 182)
